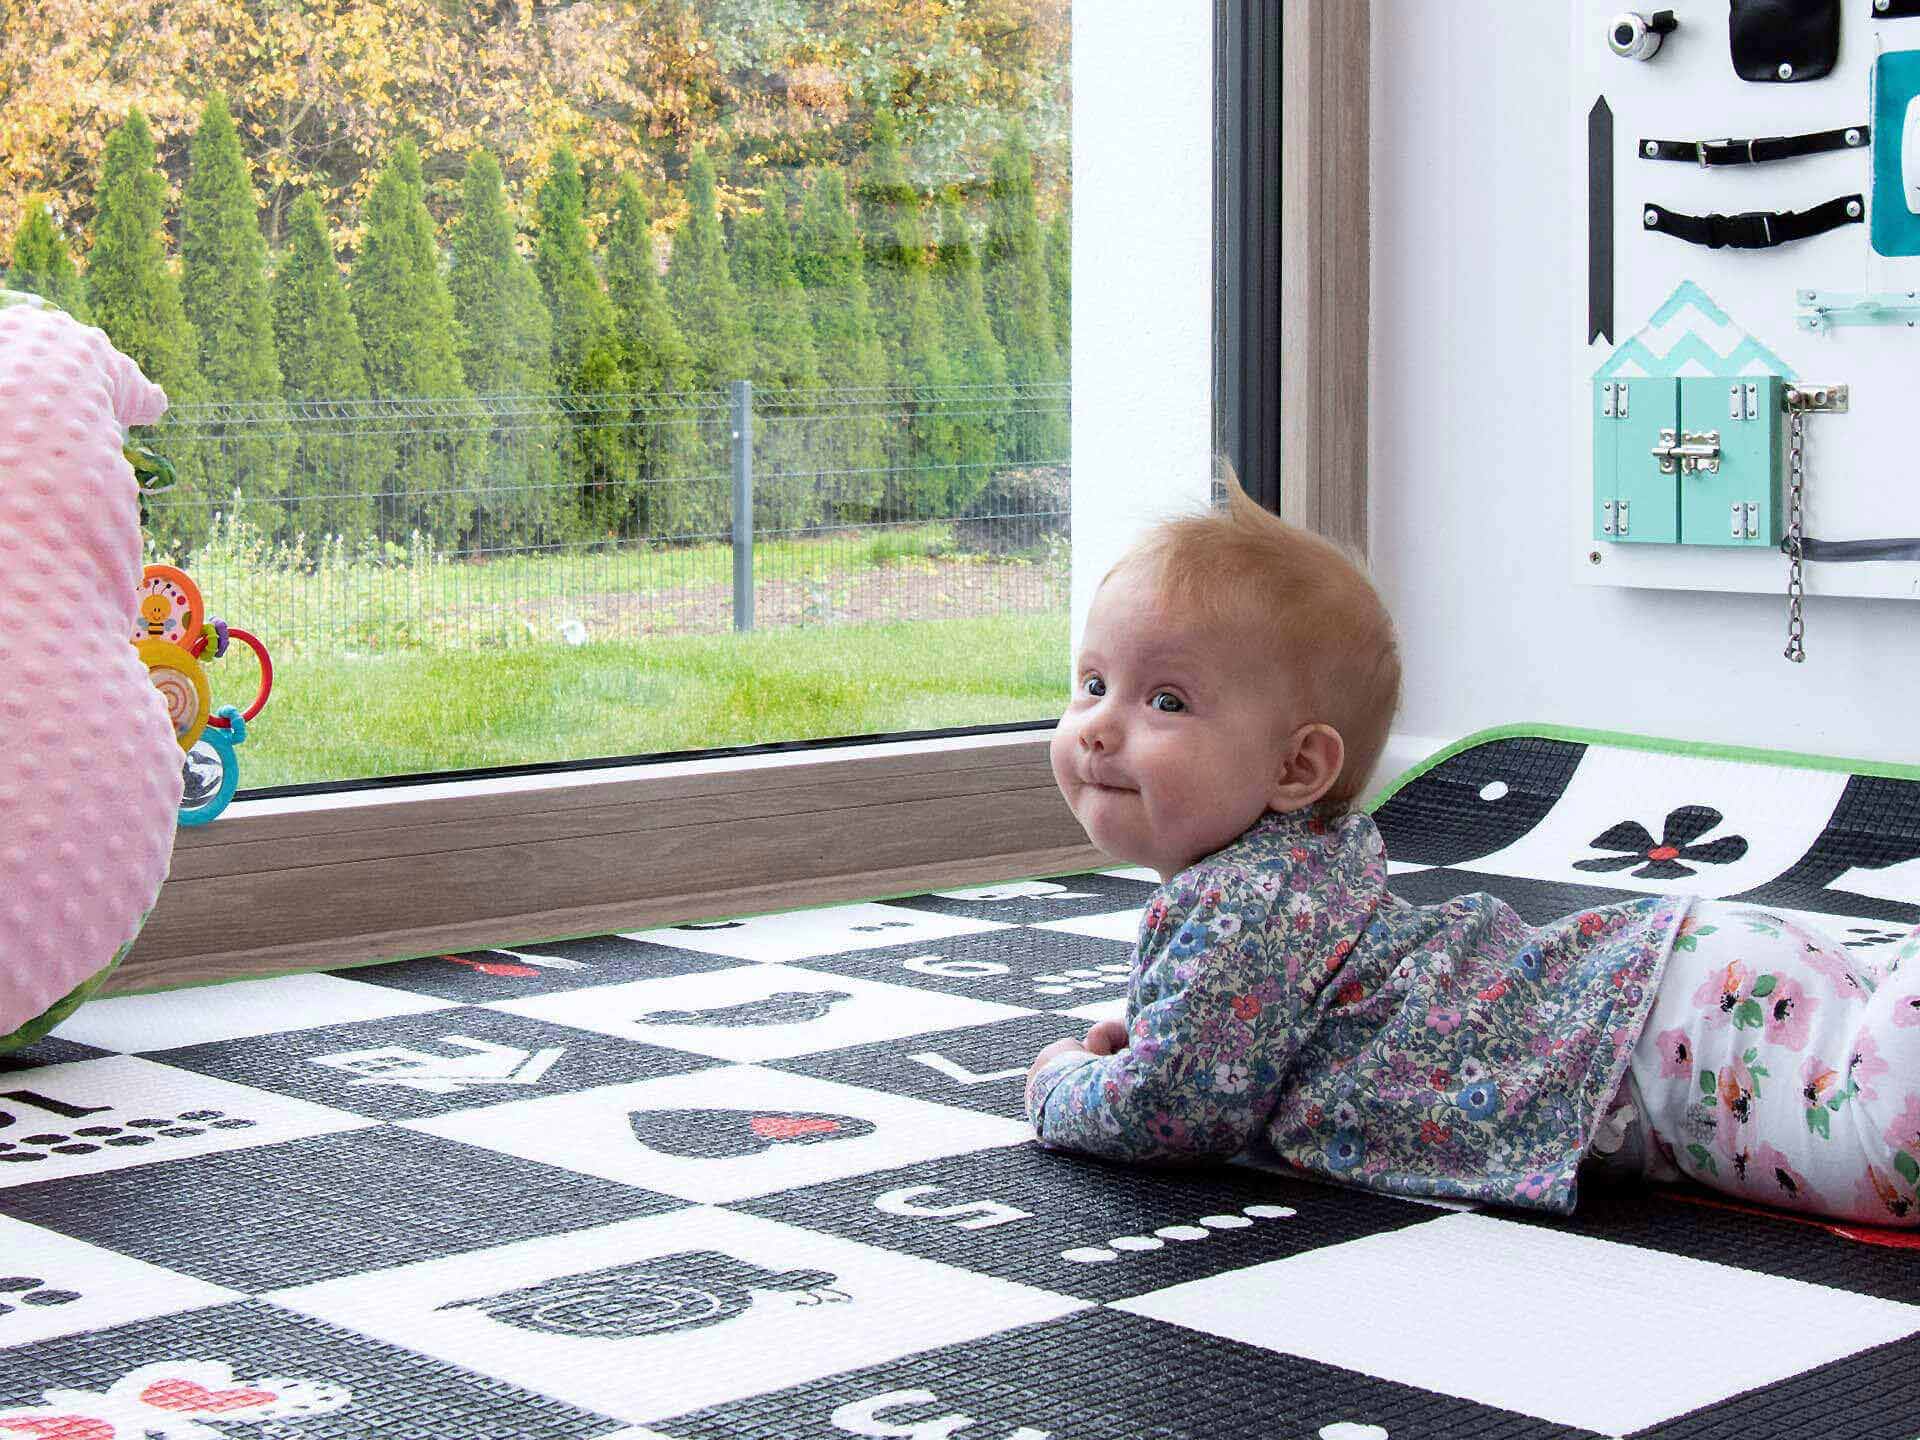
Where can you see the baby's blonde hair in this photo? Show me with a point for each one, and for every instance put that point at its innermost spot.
(1307, 600)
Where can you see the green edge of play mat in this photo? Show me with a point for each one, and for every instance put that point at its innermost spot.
(1615, 738)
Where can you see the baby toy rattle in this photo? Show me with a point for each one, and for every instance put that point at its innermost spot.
(173, 636)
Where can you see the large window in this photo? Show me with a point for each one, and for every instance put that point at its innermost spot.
(564, 381)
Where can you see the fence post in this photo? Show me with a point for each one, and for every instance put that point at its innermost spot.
(743, 505)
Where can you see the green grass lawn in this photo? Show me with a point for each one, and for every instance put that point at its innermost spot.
(335, 717)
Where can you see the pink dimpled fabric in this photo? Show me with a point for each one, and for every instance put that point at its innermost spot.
(90, 793)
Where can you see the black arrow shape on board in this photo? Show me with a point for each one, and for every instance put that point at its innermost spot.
(1600, 221)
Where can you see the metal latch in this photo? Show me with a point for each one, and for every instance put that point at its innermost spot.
(1696, 450)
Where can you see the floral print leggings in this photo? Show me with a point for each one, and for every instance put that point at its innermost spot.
(1782, 1068)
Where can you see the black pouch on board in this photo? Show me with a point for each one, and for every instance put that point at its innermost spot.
(1784, 40)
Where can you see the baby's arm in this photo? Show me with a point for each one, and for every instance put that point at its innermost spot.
(1203, 1064)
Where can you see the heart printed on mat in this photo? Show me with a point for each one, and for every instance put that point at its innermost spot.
(726, 1134)
(161, 1400)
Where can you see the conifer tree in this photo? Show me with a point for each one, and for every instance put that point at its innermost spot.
(786, 372)
(407, 326)
(1020, 305)
(334, 464)
(706, 306)
(601, 459)
(979, 366)
(1060, 286)
(908, 316)
(506, 356)
(134, 295)
(43, 265)
(706, 303)
(224, 288)
(658, 366)
(847, 450)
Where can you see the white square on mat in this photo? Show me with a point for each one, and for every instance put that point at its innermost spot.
(1778, 820)
(718, 1012)
(717, 1307)
(593, 1131)
(1475, 1306)
(89, 1116)
(58, 1285)
(1114, 925)
(205, 1013)
(831, 930)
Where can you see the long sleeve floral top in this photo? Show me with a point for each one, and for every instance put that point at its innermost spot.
(1281, 995)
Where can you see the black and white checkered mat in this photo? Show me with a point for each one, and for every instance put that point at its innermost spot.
(768, 1178)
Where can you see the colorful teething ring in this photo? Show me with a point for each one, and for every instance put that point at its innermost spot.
(170, 606)
(182, 683)
(234, 632)
(222, 743)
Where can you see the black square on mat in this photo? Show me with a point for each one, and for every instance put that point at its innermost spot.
(1091, 893)
(330, 1384)
(1875, 825)
(1479, 801)
(1075, 1226)
(1873, 1395)
(1019, 966)
(476, 976)
(48, 1050)
(272, 1216)
(1538, 901)
(1104, 1375)
(1682, 1220)
(983, 1067)
(429, 1070)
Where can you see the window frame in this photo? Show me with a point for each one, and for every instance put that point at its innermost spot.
(359, 875)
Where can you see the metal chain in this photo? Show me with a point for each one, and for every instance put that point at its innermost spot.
(1796, 478)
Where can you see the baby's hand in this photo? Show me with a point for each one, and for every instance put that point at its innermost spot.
(1109, 1037)
(1052, 1052)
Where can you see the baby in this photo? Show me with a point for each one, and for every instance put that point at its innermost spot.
(1232, 695)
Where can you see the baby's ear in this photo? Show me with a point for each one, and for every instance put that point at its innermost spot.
(1309, 766)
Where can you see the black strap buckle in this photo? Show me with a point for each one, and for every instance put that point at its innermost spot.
(1700, 148)
(1749, 230)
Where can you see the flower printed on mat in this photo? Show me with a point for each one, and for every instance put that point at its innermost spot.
(1906, 1011)
(1661, 862)
(1904, 1132)
(1821, 1088)
(167, 1400)
(1879, 1192)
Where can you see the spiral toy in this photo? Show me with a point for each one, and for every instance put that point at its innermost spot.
(174, 637)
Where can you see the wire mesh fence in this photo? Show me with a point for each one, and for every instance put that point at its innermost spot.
(372, 525)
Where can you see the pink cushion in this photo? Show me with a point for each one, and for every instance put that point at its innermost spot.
(90, 788)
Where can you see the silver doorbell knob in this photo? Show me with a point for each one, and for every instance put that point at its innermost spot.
(1634, 36)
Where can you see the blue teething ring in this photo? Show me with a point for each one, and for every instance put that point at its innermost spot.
(222, 743)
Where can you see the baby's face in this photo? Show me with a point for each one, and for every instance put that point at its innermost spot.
(1171, 745)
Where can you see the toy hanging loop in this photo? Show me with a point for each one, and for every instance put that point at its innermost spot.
(234, 632)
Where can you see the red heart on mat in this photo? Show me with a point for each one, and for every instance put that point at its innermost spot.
(788, 1127)
(57, 1427)
(191, 1395)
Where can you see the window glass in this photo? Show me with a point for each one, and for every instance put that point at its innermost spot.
(555, 382)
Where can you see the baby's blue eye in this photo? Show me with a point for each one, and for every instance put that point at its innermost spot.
(1094, 685)
(1172, 709)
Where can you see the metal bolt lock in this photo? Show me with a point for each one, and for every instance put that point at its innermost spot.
(1652, 217)
(1853, 137)
(1853, 209)
(1785, 71)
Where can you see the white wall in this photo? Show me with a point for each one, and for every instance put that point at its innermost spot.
(1471, 379)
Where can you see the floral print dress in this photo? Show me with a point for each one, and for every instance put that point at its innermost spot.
(1778, 1067)
(1282, 998)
